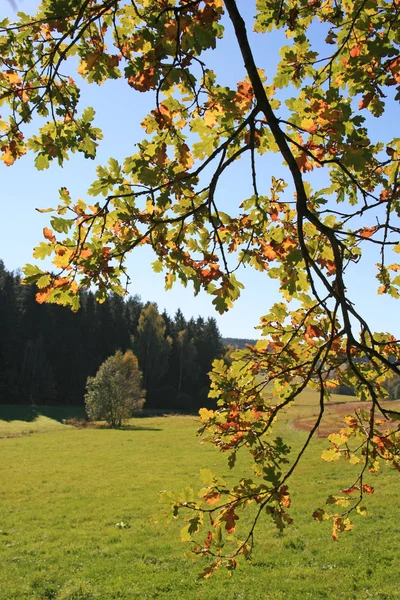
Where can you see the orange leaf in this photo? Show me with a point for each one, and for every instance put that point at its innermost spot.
(230, 519)
(350, 490)
(144, 81)
(43, 295)
(245, 89)
(12, 77)
(60, 281)
(48, 234)
(212, 498)
(355, 51)
(284, 497)
(268, 251)
(367, 489)
(8, 158)
(384, 196)
(304, 163)
(314, 331)
(367, 232)
(85, 253)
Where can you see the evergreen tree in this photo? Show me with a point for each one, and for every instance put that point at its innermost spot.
(9, 327)
(152, 348)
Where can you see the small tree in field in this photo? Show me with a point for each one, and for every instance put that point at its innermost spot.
(115, 392)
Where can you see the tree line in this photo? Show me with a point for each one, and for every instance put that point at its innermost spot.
(47, 351)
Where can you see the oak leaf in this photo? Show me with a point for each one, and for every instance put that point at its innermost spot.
(48, 234)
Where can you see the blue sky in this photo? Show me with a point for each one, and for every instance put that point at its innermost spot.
(119, 111)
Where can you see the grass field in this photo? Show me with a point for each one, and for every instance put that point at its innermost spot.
(63, 490)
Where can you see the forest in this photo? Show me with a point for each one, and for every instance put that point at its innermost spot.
(47, 351)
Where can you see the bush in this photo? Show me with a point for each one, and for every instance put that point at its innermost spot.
(115, 392)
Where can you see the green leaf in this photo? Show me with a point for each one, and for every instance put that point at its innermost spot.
(88, 114)
(191, 529)
(42, 162)
(43, 250)
(62, 225)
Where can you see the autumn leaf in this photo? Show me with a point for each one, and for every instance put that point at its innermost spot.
(314, 331)
(230, 519)
(185, 157)
(206, 414)
(160, 157)
(60, 282)
(320, 515)
(212, 497)
(337, 438)
(88, 63)
(284, 497)
(43, 295)
(210, 570)
(330, 455)
(350, 490)
(304, 163)
(8, 158)
(367, 232)
(366, 99)
(355, 51)
(309, 125)
(340, 524)
(48, 234)
(113, 61)
(268, 251)
(85, 253)
(144, 81)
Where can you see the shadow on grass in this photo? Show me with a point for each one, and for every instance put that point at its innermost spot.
(70, 412)
(125, 428)
(67, 414)
(30, 412)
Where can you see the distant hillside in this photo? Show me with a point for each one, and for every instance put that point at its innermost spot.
(238, 342)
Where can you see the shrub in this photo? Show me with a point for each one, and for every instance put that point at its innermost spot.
(115, 392)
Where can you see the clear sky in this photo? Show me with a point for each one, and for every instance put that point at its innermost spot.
(119, 111)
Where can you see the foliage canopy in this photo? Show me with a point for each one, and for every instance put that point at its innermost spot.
(339, 66)
(115, 392)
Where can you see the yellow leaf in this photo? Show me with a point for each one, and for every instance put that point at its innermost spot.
(330, 455)
(8, 158)
(309, 125)
(169, 280)
(149, 207)
(206, 414)
(210, 118)
(89, 63)
(337, 438)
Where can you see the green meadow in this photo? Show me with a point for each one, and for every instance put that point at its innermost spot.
(63, 490)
